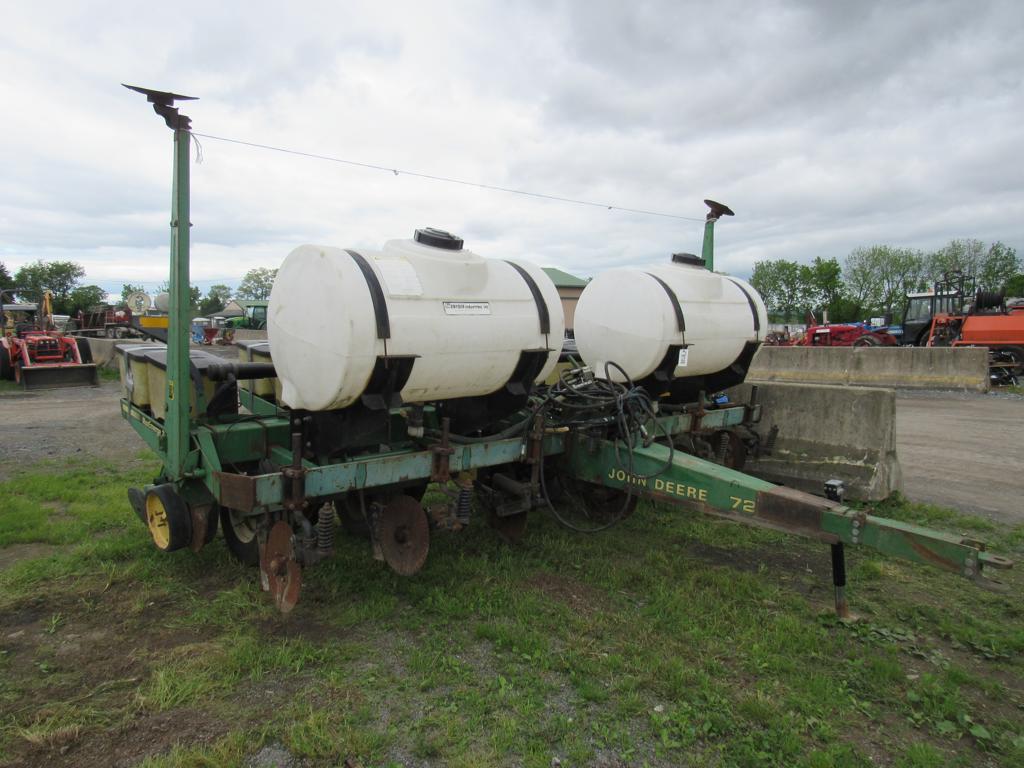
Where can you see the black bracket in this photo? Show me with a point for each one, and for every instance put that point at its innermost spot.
(163, 105)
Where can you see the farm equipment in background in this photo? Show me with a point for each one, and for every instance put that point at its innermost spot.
(110, 321)
(844, 335)
(104, 321)
(254, 318)
(35, 354)
(278, 476)
(955, 314)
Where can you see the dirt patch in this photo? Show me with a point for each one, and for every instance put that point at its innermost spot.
(15, 553)
(582, 598)
(68, 653)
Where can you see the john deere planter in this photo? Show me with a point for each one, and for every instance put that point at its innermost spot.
(422, 363)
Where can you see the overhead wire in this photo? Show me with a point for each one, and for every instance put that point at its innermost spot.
(446, 179)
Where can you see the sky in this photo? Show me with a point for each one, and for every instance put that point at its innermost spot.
(824, 125)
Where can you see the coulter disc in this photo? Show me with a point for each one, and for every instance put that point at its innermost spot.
(404, 535)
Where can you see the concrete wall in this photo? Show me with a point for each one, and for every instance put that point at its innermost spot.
(246, 334)
(960, 368)
(828, 432)
(103, 349)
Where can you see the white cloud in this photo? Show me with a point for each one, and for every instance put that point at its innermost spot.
(825, 126)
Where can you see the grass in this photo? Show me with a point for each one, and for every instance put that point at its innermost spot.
(673, 639)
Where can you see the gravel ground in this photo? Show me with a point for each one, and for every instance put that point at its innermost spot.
(963, 450)
(77, 422)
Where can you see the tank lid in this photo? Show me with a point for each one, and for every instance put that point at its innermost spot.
(688, 258)
(438, 238)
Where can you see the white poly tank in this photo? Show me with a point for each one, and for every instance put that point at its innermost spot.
(467, 325)
(636, 316)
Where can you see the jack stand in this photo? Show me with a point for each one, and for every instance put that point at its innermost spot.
(839, 581)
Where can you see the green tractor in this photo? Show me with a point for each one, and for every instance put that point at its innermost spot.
(255, 317)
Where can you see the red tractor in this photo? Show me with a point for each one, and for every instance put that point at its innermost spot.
(844, 335)
(36, 355)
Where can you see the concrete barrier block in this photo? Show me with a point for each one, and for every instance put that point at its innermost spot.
(104, 352)
(960, 368)
(828, 432)
(247, 334)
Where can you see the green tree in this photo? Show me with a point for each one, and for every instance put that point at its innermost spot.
(991, 266)
(85, 297)
(1015, 286)
(783, 287)
(825, 282)
(964, 256)
(58, 277)
(216, 299)
(256, 284)
(765, 279)
(879, 277)
(998, 267)
(195, 295)
(6, 281)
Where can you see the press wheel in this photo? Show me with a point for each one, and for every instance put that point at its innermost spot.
(403, 533)
(168, 518)
(240, 536)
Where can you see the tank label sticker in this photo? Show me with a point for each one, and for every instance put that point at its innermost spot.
(400, 277)
(467, 307)
(684, 357)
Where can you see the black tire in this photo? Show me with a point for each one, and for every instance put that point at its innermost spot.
(867, 341)
(240, 536)
(84, 350)
(212, 521)
(168, 518)
(6, 366)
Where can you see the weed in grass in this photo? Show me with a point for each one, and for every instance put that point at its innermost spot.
(178, 686)
(232, 751)
(53, 623)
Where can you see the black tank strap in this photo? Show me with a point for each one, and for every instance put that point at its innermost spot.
(538, 298)
(750, 301)
(380, 307)
(680, 320)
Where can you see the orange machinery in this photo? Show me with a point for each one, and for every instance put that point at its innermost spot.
(986, 322)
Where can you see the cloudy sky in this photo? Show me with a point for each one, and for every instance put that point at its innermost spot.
(824, 125)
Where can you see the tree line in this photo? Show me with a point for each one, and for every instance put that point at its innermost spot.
(874, 281)
(64, 281)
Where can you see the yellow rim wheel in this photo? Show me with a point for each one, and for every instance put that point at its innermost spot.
(156, 519)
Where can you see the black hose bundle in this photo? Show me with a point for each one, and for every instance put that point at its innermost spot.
(620, 411)
(579, 400)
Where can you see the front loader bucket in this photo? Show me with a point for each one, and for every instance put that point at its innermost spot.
(54, 376)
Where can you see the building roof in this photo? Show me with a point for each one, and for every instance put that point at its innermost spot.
(564, 279)
(243, 303)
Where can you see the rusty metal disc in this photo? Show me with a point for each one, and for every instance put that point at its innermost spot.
(511, 528)
(283, 575)
(404, 535)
